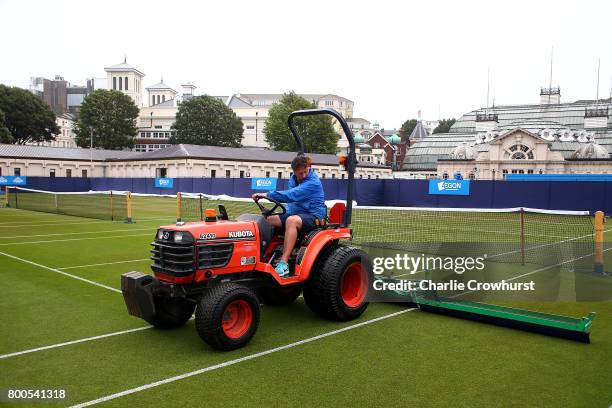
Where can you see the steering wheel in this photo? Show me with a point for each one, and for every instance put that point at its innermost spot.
(267, 213)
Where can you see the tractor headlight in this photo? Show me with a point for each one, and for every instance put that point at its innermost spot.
(182, 237)
(160, 234)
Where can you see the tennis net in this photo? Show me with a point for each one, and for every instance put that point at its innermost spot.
(104, 205)
(511, 235)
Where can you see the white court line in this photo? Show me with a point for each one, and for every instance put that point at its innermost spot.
(73, 239)
(60, 272)
(102, 264)
(78, 233)
(68, 343)
(238, 360)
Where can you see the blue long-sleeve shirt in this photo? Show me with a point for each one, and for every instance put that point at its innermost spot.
(305, 197)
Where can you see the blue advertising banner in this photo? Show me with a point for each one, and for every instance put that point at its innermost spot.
(13, 180)
(164, 183)
(261, 183)
(449, 187)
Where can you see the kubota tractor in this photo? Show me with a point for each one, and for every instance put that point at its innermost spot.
(223, 268)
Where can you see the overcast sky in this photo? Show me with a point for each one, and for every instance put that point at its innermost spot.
(391, 58)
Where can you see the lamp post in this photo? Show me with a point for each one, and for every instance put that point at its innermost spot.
(256, 115)
(91, 149)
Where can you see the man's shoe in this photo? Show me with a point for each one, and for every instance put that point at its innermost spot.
(282, 269)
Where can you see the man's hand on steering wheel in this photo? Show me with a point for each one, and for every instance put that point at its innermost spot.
(268, 212)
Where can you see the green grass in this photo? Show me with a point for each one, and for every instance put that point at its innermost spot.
(412, 359)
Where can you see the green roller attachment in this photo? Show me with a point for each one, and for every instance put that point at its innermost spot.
(577, 329)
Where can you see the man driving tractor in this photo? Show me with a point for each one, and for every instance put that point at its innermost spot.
(306, 204)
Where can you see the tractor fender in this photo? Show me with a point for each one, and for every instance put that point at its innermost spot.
(308, 254)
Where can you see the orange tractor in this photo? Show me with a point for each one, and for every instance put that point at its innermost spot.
(223, 269)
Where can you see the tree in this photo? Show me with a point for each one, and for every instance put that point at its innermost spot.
(205, 120)
(317, 132)
(26, 117)
(444, 125)
(407, 128)
(109, 117)
(5, 135)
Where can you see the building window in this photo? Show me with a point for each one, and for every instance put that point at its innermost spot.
(152, 100)
(333, 175)
(213, 173)
(161, 172)
(17, 171)
(68, 173)
(329, 103)
(280, 174)
(529, 171)
(250, 127)
(84, 173)
(342, 175)
(120, 84)
(519, 152)
(228, 173)
(445, 176)
(323, 175)
(126, 83)
(267, 174)
(241, 173)
(114, 82)
(52, 173)
(158, 100)
(158, 127)
(472, 176)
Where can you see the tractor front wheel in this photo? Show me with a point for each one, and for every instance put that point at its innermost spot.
(338, 289)
(227, 316)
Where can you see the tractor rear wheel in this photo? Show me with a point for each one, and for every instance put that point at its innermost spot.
(227, 316)
(279, 295)
(171, 313)
(339, 288)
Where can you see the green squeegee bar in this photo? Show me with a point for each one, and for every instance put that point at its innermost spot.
(521, 315)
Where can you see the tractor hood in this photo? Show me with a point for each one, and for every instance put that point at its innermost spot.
(213, 231)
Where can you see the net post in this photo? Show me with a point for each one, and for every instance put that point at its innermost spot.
(178, 206)
(55, 200)
(6, 196)
(111, 206)
(599, 241)
(522, 217)
(201, 210)
(128, 203)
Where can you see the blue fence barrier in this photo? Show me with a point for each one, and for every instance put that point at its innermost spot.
(557, 195)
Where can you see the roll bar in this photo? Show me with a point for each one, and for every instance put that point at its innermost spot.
(351, 160)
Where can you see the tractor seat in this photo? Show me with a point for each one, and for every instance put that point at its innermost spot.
(266, 230)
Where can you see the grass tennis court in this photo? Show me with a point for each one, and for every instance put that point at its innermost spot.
(60, 277)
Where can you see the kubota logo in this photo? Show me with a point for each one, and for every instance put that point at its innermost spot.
(240, 234)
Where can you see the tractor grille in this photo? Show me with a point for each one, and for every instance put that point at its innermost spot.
(173, 259)
(214, 255)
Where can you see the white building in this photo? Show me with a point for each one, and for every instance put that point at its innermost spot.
(127, 79)
(66, 136)
(175, 161)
